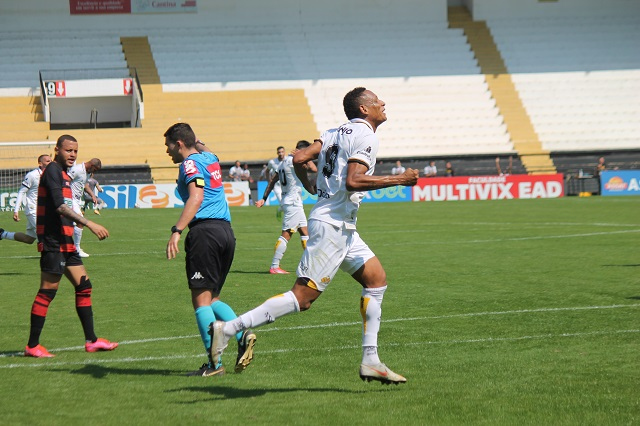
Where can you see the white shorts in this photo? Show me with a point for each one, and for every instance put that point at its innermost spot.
(331, 248)
(293, 218)
(77, 207)
(31, 225)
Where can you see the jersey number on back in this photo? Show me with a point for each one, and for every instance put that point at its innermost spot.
(330, 160)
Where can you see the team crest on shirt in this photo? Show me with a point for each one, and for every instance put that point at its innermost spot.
(190, 168)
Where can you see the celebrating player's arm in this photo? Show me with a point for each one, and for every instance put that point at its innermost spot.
(196, 195)
(303, 163)
(99, 230)
(358, 180)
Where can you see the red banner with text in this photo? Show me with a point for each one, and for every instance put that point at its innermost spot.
(489, 187)
(98, 7)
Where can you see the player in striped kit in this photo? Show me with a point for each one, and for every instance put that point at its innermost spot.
(58, 255)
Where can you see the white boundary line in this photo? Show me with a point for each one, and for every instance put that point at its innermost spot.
(346, 347)
(329, 325)
(493, 240)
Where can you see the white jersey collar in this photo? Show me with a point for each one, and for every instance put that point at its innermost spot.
(360, 120)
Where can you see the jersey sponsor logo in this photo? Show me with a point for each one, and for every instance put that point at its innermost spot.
(323, 194)
(344, 130)
(216, 175)
(190, 168)
(366, 153)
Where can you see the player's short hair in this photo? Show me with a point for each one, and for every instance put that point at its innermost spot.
(42, 156)
(96, 164)
(302, 144)
(352, 102)
(63, 138)
(279, 148)
(181, 132)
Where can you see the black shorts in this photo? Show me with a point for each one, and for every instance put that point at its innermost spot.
(55, 262)
(209, 247)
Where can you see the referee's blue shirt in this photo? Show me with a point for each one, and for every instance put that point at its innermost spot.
(204, 169)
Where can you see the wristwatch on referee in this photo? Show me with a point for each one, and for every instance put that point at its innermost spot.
(175, 229)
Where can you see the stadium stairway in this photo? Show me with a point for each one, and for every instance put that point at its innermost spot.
(137, 53)
(535, 159)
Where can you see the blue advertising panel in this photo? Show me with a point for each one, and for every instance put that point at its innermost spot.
(620, 182)
(393, 194)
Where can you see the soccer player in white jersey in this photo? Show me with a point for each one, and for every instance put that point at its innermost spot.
(346, 159)
(79, 174)
(294, 218)
(29, 193)
(273, 165)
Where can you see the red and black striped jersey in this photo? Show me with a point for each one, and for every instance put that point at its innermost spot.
(55, 232)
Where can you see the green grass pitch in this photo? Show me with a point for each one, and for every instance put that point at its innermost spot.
(497, 312)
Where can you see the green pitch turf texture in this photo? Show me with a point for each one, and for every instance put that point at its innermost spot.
(497, 312)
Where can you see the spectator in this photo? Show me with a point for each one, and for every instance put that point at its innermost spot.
(508, 171)
(236, 173)
(448, 170)
(264, 173)
(246, 173)
(600, 167)
(431, 170)
(398, 169)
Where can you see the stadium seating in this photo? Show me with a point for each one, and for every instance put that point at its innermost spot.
(33, 50)
(249, 88)
(578, 78)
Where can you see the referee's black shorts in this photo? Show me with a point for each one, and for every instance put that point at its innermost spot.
(209, 248)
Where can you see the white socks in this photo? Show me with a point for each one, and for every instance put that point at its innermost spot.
(77, 236)
(371, 311)
(272, 309)
(303, 241)
(281, 247)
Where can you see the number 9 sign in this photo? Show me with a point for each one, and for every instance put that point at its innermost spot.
(54, 88)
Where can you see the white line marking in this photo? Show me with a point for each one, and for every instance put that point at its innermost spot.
(493, 240)
(343, 324)
(345, 347)
(496, 240)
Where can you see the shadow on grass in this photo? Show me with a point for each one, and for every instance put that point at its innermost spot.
(100, 371)
(6, 354)
(236, 271)
(226, 392)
